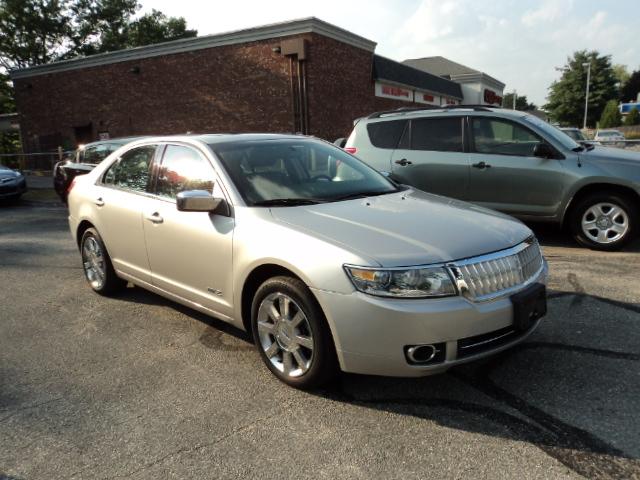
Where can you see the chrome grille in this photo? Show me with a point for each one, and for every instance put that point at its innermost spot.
(491, 275)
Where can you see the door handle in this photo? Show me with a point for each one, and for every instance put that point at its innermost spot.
(481, 165)
(99, 202)
(403, 162)
(154, 218)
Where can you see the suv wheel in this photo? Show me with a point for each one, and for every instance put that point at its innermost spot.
(97, 266)
(291, 333)
(604, 221)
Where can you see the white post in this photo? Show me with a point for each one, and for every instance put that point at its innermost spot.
(515, 95)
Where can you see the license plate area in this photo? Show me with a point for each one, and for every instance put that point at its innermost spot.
(529, 306)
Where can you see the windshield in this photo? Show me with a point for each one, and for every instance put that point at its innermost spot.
(561, 137)
(289, 172)
(575, 134)
(609, 133)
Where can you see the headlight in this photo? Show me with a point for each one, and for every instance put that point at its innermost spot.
(418, 282)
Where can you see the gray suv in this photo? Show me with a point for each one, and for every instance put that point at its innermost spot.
(509, 161)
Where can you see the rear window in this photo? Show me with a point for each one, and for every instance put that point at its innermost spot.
(386, 134)
(437, 134)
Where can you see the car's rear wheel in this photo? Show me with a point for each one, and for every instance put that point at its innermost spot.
(604, 221)
(97, 266)
(291, 333)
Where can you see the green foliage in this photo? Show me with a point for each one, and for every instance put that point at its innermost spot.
(611, 116)
(621, 73)
(631, 88)
(633, 117)
(521, 102)
(33, 32)
(567, 95)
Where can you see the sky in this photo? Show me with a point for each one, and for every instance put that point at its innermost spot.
(519, 42)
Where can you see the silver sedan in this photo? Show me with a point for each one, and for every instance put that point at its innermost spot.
(329, 264)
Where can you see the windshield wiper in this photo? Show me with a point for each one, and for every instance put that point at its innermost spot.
(287, 202)
(354, 195)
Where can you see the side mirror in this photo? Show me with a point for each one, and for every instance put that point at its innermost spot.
(201, 201)
(543, 150)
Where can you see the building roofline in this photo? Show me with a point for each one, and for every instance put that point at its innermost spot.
(481, 76)
(264, 32)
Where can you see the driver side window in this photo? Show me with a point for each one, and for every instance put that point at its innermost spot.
(499, 137)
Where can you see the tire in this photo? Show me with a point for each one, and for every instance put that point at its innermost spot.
(297, 347)
(95, 258)
(613, 218)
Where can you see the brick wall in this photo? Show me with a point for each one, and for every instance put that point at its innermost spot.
(234, 88)
(341, 87)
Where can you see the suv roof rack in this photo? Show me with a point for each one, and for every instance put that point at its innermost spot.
(477, 108)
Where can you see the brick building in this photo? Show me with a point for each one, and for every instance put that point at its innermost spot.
(299, 76)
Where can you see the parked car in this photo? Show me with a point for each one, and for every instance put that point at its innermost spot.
(509, 161)
(610, 136)
(327, 262)
(578, 136)
(84, 159)
(12, 184)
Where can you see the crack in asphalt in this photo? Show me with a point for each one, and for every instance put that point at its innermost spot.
(28, 407)
(579, 450)
(196, 448)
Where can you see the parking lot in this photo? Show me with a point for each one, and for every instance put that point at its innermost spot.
(138, 387)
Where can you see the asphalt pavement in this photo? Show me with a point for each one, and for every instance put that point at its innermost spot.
(139, 387)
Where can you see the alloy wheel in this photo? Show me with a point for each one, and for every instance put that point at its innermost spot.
(285, 334)
(605, 223)
(93, 262)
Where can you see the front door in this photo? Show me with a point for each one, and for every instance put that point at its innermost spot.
(506, 176)
(190, 253)
(431, 157)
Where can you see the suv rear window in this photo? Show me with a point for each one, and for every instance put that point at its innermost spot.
(386, 134)
(437, 134)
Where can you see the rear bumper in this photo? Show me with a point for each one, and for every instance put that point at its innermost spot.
(371, 334)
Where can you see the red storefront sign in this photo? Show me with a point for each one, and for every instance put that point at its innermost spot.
(491, 97)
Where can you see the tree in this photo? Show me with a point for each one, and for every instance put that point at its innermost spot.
(9, 141)
(521, 102)
(621, 73)
(633, 117)
(611, 116)
(33, 32)
(631, 88)
(567, 95)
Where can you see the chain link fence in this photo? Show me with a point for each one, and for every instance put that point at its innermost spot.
(42, 161)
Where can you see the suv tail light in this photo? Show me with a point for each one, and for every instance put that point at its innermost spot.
(351, 150)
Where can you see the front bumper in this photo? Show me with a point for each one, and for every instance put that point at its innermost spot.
(13, 189)
(372, 333)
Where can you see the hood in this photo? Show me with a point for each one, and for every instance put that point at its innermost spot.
(8, 173)
(407, 228)
(613, 155)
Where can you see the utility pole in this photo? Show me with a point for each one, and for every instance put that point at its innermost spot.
(586, 98)
(515, 95)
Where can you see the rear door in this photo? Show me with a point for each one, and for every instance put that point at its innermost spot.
(120, 198)
(506, 176)
(190, 253)
(431, 156)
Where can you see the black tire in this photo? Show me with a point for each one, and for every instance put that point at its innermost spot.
(323, 366)
(582, 207)
(111, 284)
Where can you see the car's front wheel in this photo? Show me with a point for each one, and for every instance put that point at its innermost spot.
(292, 334)
(604, 221)
(97, 266)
